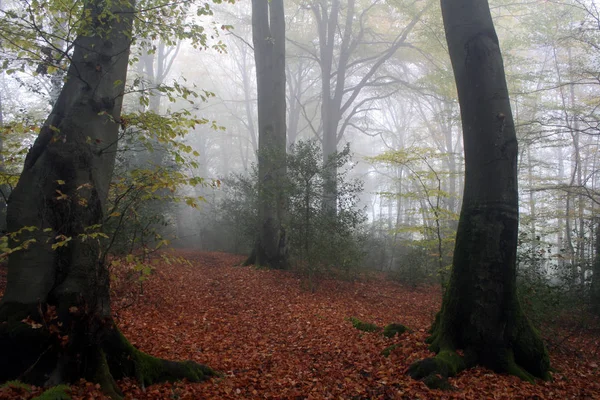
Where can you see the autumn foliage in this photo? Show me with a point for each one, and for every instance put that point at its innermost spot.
(273, 340)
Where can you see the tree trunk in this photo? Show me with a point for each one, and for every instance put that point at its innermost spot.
(595, 287)
(55, 317)
(481, 313)
(331, 118)
(4, 188)
(268, 36)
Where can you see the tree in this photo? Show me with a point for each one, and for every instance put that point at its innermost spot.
(595, 286)
(55, 318)
(319, 241)
(340, 96)
(268, 37)
(480, 312)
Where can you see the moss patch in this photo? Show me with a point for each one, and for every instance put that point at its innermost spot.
(434, 371)
(529, 350)
(363, 326)
(437, 382)
(17, 385)
(388, 350)
(124, 360)
(392, 330)
(60, 392)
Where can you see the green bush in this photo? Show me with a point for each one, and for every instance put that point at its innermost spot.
(320, 242)
(547, 287)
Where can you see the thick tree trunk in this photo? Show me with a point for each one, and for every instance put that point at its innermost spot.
(55, 317)
(595, 287)
(268, 35)
(481, 313)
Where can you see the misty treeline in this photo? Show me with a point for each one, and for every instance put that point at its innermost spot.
(369, 79)
(384, 82)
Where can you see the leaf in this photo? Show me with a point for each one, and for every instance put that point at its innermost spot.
(61, 195)
(31, 323)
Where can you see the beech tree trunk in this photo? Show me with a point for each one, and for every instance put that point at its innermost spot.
(481, 313)
(268, 36)
(55, 317)
(595, 286)
(4, 188)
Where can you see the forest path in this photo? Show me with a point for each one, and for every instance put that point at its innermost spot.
(273, 340)
(269, 336)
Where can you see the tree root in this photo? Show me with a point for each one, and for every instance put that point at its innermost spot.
(522, 354)
(435, 371)
(34, 356)
(124, 360)
(251, 260)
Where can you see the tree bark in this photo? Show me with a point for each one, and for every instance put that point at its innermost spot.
(481, 313)
(268, 36)
(595, 286)
(55, 318)
(4, 188)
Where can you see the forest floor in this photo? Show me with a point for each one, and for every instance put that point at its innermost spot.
(274, 340)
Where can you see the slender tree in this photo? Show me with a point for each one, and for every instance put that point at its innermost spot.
(338, 45)
(481, 313)
(595, 286)
(4, 188)
(55, 316)
(268, 37)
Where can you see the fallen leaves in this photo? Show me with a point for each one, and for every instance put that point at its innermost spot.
(272, 340)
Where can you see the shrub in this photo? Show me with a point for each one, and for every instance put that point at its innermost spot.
(320, 242)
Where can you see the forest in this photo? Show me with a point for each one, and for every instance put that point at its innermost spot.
(316, 199)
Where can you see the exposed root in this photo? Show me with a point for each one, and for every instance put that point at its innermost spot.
(124, 360)
(434, 371)
(251, 260)
(105, 359)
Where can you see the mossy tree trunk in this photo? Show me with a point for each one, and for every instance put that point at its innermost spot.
(480, 312)
(55, 318)
(268, 37)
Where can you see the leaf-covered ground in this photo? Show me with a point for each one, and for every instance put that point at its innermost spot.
(273, 340)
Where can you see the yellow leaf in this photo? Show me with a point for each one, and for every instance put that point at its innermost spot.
(61, 195)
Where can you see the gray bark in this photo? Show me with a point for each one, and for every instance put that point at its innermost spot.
(4, 188)
(268, 36)
(481, 313)
(88, 106)
(62, 192)
(595, 286)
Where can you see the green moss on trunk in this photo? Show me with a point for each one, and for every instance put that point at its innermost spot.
(124, 360)
(34, 355)
(522, 352)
